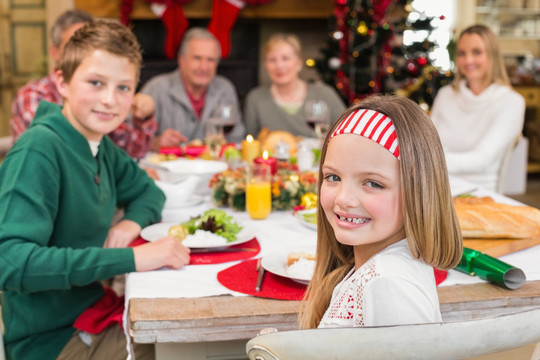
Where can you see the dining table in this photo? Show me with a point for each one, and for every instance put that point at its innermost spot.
(189, 313)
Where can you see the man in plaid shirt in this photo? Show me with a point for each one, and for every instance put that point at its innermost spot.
(135, 135)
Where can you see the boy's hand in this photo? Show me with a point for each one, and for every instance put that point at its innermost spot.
(142, 106)
(122, 234)
(171, 137)
(165, 252)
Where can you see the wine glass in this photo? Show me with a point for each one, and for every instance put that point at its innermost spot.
(214, 137)
(225, 114)
(318, 117)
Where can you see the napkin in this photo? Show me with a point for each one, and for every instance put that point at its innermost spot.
(242, 278)
(105, 312)
(217, 257)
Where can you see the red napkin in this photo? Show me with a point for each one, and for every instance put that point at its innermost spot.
(176, 150)
(242, 278)
(216, 257)
(440, 275)
(105, 312)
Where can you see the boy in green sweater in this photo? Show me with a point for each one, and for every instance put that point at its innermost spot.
(59, 187)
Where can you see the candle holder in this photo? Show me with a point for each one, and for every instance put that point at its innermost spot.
(270, 161)
(259, 191)
(251, 149)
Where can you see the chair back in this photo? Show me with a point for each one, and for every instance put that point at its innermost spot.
(512, 176)
(446, 340)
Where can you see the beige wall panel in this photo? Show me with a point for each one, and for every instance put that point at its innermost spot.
(27, 3)
(28, 56)
(28, 15)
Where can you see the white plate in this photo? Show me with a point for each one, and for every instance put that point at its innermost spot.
(276, 262)
(299, 215)
(159, 230)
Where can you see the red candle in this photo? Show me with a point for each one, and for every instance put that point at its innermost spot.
(265, 159)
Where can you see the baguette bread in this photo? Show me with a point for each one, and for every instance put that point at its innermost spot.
(293, 257)
(485, 218)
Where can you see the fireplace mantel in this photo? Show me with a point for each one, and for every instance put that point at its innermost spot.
(202, 9)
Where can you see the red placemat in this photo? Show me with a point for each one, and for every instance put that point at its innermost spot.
(217, 257)
(242, 278)
(440, 275)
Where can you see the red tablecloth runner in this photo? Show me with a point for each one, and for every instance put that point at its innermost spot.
(242, 278)
(217, 257)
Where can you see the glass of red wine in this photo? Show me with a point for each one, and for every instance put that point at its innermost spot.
(317, 117)
(224, 113)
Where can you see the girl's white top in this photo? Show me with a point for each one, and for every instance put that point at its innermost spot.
(476, 130)
(391, 288)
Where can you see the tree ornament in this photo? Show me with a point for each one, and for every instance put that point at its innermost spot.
(422, 60)
(338, 35)
(334, 63)
(412, 67)
(362, 28)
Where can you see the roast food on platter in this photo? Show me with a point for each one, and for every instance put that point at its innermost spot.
(269, 140)
(295, 256)
(482, 217)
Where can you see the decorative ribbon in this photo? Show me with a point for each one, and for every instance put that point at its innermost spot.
(475, 263)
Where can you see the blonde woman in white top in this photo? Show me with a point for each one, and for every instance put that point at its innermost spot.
(479, 115)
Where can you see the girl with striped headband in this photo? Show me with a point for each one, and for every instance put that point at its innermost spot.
(385, 219)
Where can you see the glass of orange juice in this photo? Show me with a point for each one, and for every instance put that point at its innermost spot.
(258, 191)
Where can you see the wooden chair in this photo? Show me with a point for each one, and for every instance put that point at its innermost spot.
(446, 340)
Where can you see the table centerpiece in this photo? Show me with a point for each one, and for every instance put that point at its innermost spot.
(288, 186)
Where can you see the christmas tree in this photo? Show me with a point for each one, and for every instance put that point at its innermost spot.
(365, 52)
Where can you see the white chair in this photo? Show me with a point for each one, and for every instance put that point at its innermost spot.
(513, 171)
(447, 340)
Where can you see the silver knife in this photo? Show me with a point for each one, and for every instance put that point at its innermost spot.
(260, 269)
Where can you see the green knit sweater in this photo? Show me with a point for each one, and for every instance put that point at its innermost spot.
(56, 206)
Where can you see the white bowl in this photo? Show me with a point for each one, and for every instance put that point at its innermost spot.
(179, 193)
(180, 169)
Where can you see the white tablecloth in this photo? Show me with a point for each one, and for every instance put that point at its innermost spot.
(281, 230)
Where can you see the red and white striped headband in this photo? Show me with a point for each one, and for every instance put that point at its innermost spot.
(372, 125)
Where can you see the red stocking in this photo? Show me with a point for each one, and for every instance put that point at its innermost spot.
(172, 16)
(224, 15)
(175, 24)
(125, 10)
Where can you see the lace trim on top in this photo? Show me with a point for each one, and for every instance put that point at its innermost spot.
(347, 306)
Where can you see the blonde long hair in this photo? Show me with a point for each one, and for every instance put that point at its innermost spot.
(497, 70)
(430, 221)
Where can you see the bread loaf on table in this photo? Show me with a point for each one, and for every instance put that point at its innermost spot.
(485, 218)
